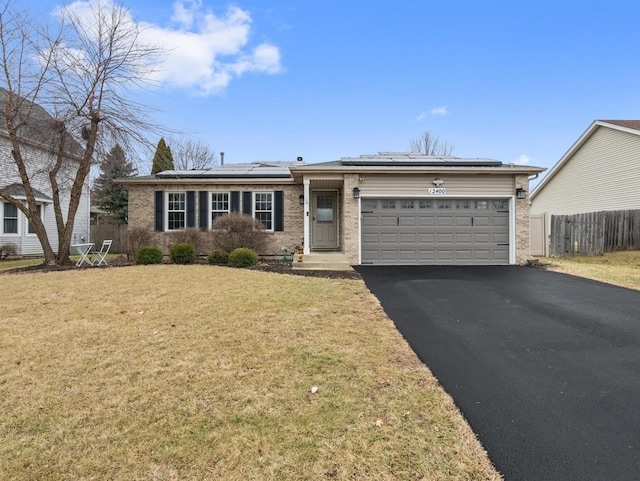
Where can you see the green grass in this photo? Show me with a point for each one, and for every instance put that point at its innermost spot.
(200, 372)
(14, 264)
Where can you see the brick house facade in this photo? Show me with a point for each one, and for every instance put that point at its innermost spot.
(383, 209)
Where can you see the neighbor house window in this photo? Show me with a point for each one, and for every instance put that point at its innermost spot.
(263, 208)
(30, 228)
(219, 205)
(10, 219)
(176, 210)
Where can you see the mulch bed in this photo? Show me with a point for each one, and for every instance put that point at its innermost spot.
(266, 265)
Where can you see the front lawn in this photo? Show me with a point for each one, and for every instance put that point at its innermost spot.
(200, 372)
(618, 268)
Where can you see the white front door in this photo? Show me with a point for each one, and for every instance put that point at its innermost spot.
(324, 230)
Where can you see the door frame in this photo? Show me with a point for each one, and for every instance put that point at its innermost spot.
(336, 218)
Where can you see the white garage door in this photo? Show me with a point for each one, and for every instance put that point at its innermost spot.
(435, 231)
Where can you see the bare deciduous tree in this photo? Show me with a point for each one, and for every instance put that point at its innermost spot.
(429, 144)
(81, 77)
(189, 154)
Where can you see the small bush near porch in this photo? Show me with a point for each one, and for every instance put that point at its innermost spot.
(202, 372)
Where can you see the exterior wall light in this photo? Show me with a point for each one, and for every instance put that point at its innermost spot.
(301, 199)
(521, 193)
(356, 193)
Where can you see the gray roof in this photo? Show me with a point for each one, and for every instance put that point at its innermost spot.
(408, 159)
(254, 170)
(17, 191)
(39, 127)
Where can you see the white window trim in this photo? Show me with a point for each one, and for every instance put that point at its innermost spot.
(19, 216)
(211, 211)
(273, 207)
(166, 211)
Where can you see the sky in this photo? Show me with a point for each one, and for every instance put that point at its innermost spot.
(271, 80)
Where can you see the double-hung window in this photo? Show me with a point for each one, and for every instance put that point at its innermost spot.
(30, 229)
(219, 205)
(263, 208)
(176, 210)
(9, 219)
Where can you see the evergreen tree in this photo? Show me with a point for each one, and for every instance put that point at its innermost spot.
(162, 159)
(109, 195)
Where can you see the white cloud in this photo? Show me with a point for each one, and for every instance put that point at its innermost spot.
(522, 160)
(442, 110)
(205, 51)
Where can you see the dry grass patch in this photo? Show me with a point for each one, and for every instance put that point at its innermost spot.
(617, 268)
(199, 372)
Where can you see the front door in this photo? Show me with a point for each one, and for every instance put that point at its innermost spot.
(324, 231)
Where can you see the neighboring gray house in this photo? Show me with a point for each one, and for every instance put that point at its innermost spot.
(14, 227)
(600, 172)
(390, 208)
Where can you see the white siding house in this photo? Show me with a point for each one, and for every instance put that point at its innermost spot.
(14, 227)
(600, 172)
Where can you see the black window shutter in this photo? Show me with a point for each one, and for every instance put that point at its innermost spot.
(203, 208)
(235, 201)
(278, 202)
(159, 210)
(191, 208)
(246, 203)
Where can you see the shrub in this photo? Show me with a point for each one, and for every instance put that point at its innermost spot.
(238, 230)
(182, 253)
(218, 257)
(243, 257)
(8, 250)
(193, 236)
(149, 255)
(137, 237)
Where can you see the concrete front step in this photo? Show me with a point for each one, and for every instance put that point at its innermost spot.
(323, 261)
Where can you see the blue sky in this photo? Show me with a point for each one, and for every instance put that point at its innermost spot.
(273, 80)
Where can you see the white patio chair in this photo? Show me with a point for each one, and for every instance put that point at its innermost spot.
(101, 255)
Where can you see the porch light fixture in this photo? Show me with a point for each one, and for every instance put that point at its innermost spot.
(521, 193)
(301, 199)
(356, 193)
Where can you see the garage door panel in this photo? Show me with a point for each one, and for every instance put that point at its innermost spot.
(464, 238)
(481, 220)
(443, 231)
(444, 221)
(407, 238)
(464, 255)
(482, 238)
(444, 238)
(500, 221)
(388, 221)
(463, 221)
(406, 221)
(407, 255)
(370, 221)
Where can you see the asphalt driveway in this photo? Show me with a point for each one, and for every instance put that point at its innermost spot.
(544, 366)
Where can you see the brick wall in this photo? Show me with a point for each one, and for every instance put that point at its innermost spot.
(523, 249)
(141, 213)
(350, 235)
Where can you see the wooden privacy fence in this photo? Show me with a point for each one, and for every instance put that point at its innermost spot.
(117, 233)
(594, 233)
